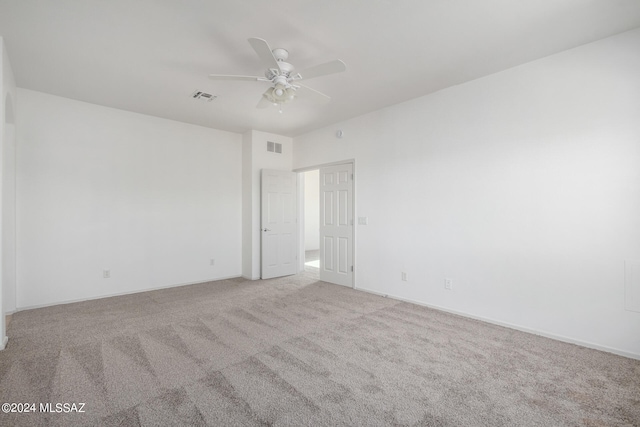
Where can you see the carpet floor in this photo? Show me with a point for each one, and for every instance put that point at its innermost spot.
(295, 351)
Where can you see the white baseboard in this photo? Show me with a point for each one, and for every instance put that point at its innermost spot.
(512, 326)
(157, 288)
(4, 343)
(250, 278)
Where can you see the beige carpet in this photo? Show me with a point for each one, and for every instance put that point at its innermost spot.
(295, 352)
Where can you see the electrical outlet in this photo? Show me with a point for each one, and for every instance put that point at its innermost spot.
(212, 262)
(448, 284)
(404, 276)
(106, 274)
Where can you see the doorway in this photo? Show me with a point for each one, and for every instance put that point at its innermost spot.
(312, 223)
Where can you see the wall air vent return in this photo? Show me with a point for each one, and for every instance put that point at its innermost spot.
(203, 95)
(274, 147)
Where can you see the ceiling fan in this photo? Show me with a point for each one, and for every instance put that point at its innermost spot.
(283, 77)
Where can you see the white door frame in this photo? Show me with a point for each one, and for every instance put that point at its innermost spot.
(300, 172)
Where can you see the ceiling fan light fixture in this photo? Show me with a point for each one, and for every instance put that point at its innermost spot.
(279, 94)
(291, 93)
(282, 75)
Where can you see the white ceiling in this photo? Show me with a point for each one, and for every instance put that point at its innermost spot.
(149, 56)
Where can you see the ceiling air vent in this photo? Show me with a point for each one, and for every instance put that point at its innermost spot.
(203, 95)
(274, 147)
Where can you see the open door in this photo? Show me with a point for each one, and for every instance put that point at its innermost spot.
(279, 228)
(336, 224)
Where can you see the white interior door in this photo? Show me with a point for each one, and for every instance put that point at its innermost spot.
(336, 224)
(279, 223)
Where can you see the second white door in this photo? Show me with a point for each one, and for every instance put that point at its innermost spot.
(336, 224)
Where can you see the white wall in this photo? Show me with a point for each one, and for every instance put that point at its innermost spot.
(247, 207)
(9, 207)
(523, 187)
(255, 158)
(7, 190)
(152, 200)
(312, 210)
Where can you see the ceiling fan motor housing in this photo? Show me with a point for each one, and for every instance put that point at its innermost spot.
(280, 54)
(285, 70)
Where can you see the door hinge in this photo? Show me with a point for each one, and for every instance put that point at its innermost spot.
(352, 268)
(351, 177)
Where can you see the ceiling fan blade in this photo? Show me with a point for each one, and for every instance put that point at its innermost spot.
(264, 52)
(263, 103)
(230, 77)
(331, 67)
(312, 94)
